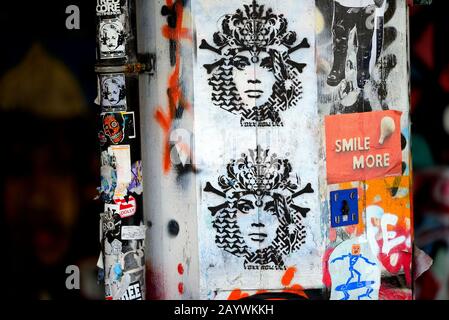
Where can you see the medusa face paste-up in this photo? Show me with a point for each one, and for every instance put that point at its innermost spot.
(258, 219)
(254, 75)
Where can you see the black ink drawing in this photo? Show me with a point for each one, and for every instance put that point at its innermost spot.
(254, 75)
(258, 219)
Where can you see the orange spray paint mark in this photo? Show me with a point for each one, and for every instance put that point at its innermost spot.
(237, 294)
(288, 276)
(174, 91)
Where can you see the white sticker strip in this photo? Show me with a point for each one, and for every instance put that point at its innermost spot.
(133, 232)
(123, 163)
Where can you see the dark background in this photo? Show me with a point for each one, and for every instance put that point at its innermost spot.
(50, 156)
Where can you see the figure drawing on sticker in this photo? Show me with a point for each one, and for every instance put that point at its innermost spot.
(356, 15)
(353, 258)
(259, 219)
(254, 75)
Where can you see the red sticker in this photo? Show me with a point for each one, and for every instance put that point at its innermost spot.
(363, 146)
(126, 209)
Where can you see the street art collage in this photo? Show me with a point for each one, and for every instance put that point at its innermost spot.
(122, 232)
(313, 178)
(282, 136)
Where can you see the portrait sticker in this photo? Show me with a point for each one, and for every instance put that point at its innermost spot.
(117, 127)
(113, 92)
(363, 146)
(111, 38)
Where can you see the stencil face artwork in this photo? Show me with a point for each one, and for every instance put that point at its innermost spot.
(255, 76)
(258, 219)
(113, 92)
(112, 38)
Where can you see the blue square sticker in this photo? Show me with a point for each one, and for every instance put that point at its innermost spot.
(344, 208)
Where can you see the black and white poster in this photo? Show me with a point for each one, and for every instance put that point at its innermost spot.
(113, 92)
(111, 38)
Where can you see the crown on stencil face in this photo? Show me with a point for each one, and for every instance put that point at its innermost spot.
(259, 173)
(253, 29)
